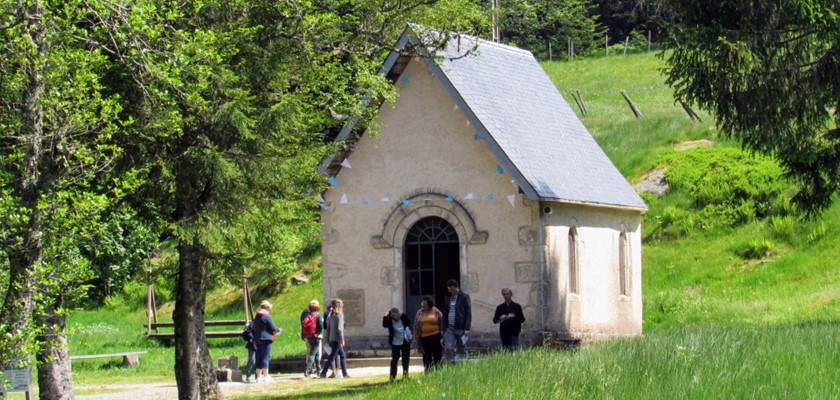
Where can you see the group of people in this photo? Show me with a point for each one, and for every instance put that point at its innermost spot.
(433, 331)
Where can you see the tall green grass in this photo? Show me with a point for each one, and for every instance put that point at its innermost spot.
(688, 362)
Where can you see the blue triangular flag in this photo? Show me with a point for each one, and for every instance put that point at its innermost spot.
(325, 207)
(490, 197)
(332, 181)
(405, 79)
(367, 203)
(408, 203)
(477, 136)
(449, 198)
(499, 169)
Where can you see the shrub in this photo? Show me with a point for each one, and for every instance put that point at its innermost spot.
(725, 187)
(755, 249)
(784, 227)
(817, 233)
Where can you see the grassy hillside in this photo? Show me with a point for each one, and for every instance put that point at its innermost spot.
(777, 269)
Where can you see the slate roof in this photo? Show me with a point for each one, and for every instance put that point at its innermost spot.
(516, 108)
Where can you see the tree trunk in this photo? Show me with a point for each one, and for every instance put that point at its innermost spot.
(194, 369)
(55, 381)
(23, 257)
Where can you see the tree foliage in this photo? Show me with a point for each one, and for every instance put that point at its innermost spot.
(234, 105)
(769, 71)
(534, 24)
(209, 116)
(57, 136)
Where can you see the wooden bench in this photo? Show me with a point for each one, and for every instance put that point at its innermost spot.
(208, 334)
(130, 358)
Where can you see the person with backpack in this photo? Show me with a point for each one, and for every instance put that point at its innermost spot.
(306, 311)
(311, 328)
(251, 345)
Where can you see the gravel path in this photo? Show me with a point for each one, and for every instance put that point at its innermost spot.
(166, 391)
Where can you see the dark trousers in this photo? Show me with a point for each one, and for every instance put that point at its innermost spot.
(396, 351)
(432, 350)
(510, 342)
(337, 355)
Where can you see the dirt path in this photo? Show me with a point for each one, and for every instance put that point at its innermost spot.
(165, 391)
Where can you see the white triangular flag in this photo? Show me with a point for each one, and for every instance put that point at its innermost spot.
(384, 199)
(343, 198)
(512, 200)
(346, 163)
(469, 196)
(320, 199)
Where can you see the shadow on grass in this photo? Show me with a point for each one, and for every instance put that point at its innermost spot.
(817, 324)
(326, 391)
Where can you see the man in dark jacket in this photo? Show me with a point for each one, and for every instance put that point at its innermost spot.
(457, 318)
(510, 318)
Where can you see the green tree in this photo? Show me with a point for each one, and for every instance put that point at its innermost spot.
(769, 71)
(238, 101)
(534, 24)
(57, 139)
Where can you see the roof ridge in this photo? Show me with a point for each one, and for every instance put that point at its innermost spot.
(481, 42)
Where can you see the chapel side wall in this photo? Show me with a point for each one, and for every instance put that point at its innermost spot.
(598, 309)
(426, 145)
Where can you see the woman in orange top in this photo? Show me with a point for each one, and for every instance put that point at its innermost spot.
(428, 327)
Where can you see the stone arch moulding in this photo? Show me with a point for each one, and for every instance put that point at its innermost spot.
(428, 205)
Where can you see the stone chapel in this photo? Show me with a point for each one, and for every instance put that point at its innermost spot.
(482, 173)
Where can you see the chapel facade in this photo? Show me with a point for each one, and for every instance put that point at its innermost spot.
(484, 174)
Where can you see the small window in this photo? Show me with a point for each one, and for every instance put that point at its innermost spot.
(623, 265)
(573, 261)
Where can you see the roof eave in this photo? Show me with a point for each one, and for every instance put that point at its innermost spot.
(627, 207)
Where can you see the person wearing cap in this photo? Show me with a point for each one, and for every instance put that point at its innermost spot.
(264, 334)
(306, 311)
(399, 337)
(457, 318)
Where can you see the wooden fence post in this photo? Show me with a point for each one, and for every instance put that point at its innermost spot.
(582, 105)
(648, 41)
(632, 105)
(691, 114)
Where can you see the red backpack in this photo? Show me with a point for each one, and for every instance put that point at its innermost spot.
(310, 324)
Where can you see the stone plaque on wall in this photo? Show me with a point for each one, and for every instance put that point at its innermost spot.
(354, 306)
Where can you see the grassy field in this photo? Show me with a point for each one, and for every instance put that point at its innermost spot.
(689, 362)
(717, 324)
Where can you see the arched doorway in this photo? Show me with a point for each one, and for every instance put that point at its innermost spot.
(431, 258)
